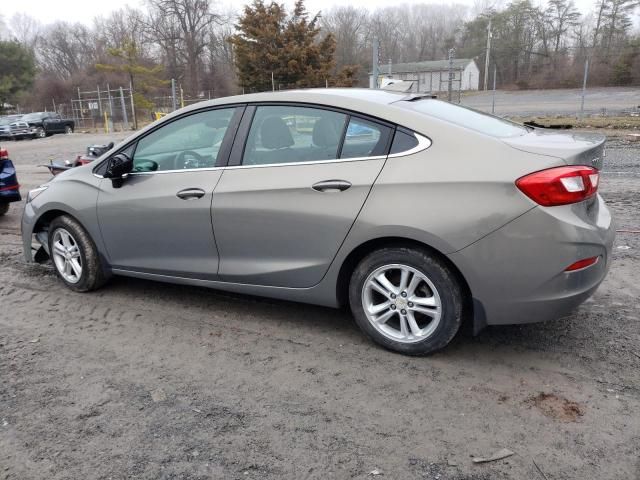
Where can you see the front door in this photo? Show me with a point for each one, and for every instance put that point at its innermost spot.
(159, 220)
(282, 214)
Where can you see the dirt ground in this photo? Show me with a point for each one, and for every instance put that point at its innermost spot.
(154, 381)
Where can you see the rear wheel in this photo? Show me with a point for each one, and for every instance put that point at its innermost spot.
(4, 208)
(406, 300)
(68, 129)
(74, 255)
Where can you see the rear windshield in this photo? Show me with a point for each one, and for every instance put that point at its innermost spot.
(467, 117)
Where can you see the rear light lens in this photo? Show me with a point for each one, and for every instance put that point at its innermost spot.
(560, 185)
(580, 264)
(4, 154)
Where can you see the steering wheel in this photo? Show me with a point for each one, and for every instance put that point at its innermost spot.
(189, 159)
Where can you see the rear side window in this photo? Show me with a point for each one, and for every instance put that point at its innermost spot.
(364, 139)
(466, 117)
(403, 141)
(286, 134)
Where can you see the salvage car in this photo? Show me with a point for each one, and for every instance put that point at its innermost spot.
(414, 212)
(9, 186)
(43, 124)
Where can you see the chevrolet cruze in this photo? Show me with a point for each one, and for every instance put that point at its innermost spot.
(414, 212)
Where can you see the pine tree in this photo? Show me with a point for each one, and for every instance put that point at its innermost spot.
(268, 41)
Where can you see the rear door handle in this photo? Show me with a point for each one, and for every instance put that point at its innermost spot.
(331, 186)
(190, 193)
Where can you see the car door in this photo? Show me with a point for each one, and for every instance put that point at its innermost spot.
(159, 220)
(49, 123)
(295, 183)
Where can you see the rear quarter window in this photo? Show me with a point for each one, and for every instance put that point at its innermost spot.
(466, 117)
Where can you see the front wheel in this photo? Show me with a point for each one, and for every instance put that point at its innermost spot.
(74, 255)
(40, 133)
(406, 300)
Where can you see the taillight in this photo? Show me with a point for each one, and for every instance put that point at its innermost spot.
(560, 185)
(4, 154)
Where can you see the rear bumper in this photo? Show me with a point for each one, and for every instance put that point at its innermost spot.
(517, 273)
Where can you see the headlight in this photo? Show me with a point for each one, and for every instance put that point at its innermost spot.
(35, 192)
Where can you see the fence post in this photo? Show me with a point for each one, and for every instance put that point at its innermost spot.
(124, 110)
(173, 94)
(80, 105)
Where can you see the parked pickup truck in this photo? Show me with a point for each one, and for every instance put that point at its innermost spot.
(42, 124)
(11, 127)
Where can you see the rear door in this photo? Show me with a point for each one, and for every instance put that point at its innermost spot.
(298, 176)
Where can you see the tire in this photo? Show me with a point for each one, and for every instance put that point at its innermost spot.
(68, 129)
(436, 292)
(40, 133)
(4, 208)
(92, 274)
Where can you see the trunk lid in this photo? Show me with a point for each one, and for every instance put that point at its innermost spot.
(574, 148)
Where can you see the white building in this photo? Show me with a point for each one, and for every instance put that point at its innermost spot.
(433, 76)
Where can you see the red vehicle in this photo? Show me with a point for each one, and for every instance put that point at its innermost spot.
(93, 152)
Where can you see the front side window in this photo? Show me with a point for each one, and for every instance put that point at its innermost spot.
(189, 142)
(286, 134)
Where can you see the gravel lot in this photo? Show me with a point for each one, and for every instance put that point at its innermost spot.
(614, 101)
(146, 380)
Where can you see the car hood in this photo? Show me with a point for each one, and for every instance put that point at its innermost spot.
(574, 148)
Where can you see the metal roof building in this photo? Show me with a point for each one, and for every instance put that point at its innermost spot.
(433, 75)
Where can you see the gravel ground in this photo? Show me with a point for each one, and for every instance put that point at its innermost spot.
(155, 381)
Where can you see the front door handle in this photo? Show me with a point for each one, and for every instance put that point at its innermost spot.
(190, 193)
(331, 186)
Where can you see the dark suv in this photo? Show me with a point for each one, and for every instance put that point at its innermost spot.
(42, 124)
(9, 186)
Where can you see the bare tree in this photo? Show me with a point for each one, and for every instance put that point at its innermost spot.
(193, 18)
(26, 30)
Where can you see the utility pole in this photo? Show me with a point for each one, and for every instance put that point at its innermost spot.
(273, 83)
(133, 107)
(390, 68)
(374, 70)
(452, 52)
(173, 95)
(487, 56)
(493, 101)
(584, 86)
(124, 111)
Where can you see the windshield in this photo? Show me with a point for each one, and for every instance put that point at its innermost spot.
(467, 117)
(5, 121)
(32, 116)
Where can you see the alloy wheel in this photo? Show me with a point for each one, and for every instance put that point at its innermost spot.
(401, 303)
(66, 255)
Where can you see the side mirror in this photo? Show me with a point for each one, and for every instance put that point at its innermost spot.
(119, 166)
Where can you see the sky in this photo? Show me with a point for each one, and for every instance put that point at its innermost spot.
(47, 11)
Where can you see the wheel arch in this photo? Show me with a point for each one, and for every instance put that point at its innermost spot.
(45, 219)
(472, 310)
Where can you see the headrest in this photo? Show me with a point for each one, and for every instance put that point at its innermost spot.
(275, 133)
(325, 133)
